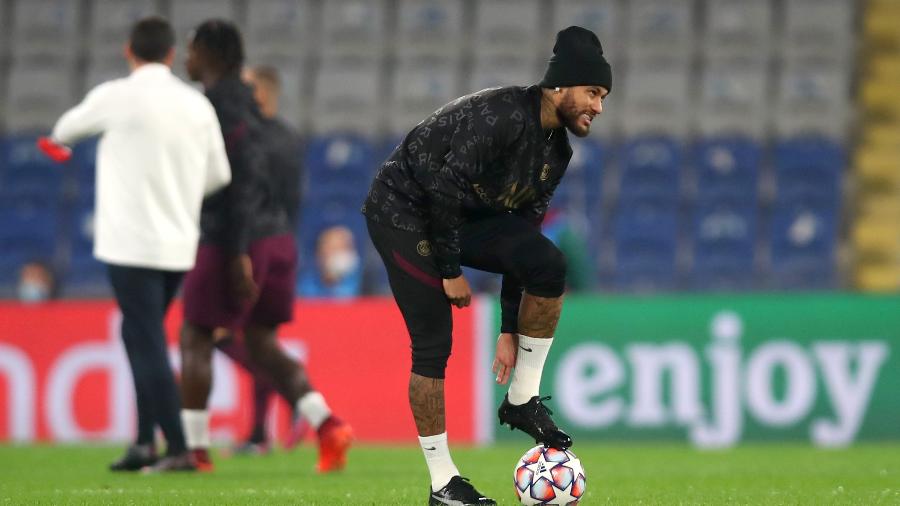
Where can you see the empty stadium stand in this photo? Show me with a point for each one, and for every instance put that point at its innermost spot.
(722, 160)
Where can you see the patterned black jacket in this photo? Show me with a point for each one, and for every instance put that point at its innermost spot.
(480, 155)
(251, 207)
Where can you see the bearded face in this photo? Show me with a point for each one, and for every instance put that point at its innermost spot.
(578, 107)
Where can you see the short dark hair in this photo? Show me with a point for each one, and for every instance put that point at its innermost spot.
(221, 41)
(151, 39)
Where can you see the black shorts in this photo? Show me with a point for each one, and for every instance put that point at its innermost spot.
(505, 244)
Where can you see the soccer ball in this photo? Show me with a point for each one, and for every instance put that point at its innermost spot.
(549, 476)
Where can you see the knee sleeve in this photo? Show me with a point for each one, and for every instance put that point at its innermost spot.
(430, 351)
(542, 268)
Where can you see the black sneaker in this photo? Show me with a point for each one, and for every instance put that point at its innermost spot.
(533, 418)
(459, 492)
(172, 463)
(135, 458)
(251, 448)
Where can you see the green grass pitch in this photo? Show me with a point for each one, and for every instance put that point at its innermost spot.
(617, 474)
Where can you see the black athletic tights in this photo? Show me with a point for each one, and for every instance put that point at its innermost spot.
(504, 244)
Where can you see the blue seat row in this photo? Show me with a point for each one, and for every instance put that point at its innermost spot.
(724, 246)
(677, 216)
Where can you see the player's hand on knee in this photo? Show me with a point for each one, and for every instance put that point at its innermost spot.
(458, 291)
(221, 334)
(505, 357)
(240, 273)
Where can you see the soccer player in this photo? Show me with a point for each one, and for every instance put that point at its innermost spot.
(469, 185)
(160, 152)
(243, 280)
(283, 157)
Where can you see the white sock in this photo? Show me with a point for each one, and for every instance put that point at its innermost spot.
(437, 456)
(313, 407)
(526, 377)
(196, 428)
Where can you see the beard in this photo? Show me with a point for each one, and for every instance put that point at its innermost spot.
(570, 115)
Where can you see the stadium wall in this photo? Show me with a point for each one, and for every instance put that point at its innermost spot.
(710, 370)
(64, 375)
(721, 370)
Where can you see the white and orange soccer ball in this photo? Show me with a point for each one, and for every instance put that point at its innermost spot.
(549, 476)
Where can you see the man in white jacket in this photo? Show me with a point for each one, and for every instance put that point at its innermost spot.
(161, 151)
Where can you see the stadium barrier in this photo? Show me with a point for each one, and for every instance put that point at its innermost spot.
(64, 375)
(721, 370)
(710, 370)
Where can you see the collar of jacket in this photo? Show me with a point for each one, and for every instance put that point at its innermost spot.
(151, 69)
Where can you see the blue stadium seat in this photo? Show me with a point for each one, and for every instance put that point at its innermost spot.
(586, 167)
(85, 274)
(24, 169)
(567, 195)
(332, 199)
(724, 240)
(585, 177)
(28, 230)
(803, 242)
(808, 170)
(483, 282)
(646, 235)
(375, 280)
(340, 163)
(728, 170)
(651, 169)
(383, 149)
(82, 225)
(84, 161)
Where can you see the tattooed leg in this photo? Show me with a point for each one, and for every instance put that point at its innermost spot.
(538, 316)
(426, 398)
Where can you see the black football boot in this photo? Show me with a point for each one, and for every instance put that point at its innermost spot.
(533, 418)
(135, 458)
(459, 492)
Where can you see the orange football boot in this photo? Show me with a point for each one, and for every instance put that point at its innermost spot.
(335, 437)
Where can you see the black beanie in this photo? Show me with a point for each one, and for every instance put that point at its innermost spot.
(577, 61)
